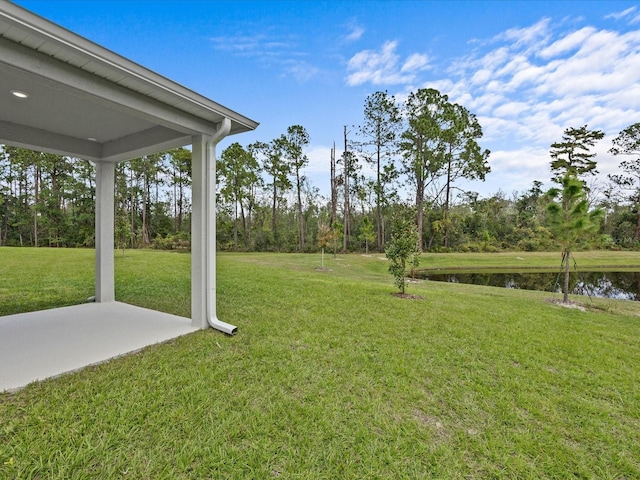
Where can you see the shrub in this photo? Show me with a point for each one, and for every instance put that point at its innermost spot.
(180, 241)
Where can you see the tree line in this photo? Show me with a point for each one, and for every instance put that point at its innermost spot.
(49, 200)
(419, 151)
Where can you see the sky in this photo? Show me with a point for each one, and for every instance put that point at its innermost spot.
(527, 69)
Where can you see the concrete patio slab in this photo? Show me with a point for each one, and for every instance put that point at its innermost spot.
(39, 345)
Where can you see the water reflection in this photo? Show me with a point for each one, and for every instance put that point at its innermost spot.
(619, 285)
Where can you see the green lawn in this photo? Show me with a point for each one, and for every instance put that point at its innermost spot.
(522, 261)
(331, 376)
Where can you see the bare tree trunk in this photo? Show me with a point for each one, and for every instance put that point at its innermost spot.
(244, 224)
(301, 219)
(420, 213)
(235, 224)
(565, 290)
(379, 226)
(36, 188)
(133, 225)
(145, 200)
(180, 202)
(175, 201)
(273, 210)
(446, 205)
(345, 234)
(420, 181)
(334, 187)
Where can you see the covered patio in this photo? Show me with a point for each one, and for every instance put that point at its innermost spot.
(38, 345)
(64, 94)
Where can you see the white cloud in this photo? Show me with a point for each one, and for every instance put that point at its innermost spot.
(250, 45)
(512, 109)
(622, 14)
(481, 76)
(270, 51)
(319, 158)
(301, 71)
(527, 85)
(564, 45)
(355, 33)
(415, 62)
(528, 36)
(383, 67)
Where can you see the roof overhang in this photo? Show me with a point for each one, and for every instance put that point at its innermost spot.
(87, 102)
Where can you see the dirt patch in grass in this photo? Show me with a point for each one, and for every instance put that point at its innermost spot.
(569, 304)
(408, 296)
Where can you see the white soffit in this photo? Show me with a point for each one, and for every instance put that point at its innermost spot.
(88, 102)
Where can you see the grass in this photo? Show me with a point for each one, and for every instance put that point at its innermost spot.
(525, 261)
(45, 278)
(330, 377)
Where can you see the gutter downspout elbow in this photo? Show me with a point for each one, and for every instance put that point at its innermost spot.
(212, 319)
(222, 326)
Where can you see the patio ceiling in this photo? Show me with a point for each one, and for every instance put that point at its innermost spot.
(87, 102)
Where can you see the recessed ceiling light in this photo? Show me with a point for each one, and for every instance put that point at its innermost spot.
(91, 139)
(19, 94)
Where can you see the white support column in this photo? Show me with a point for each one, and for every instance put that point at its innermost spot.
(199, 240)
(203, 230)
(105, 268)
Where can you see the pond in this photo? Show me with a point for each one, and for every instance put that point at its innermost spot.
(618, 285)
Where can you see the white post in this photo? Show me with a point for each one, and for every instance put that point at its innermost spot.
(199, 241)
(203, 230)
(105, 268)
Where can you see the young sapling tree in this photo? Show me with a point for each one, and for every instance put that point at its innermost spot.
(326, 237)
(367, 234)
(570, 220)
(403, 248)
(122, 231)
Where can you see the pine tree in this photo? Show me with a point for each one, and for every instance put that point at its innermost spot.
(572, 155)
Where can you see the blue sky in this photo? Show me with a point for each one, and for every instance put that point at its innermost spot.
(527, 69)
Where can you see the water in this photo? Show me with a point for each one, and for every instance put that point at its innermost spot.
(618, 285)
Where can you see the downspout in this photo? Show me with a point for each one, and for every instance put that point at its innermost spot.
(212, 319)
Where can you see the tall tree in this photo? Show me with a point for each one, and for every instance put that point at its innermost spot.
(463, 157)
(274, 165)
(37, 180)
(422, 144)
(238, 170)
(6, 197)
(295, 140)
(628, 143)
(350, 167)
(82, 211)
(572, 155)
(180, 180)
(25, 178)
(334, 186)
(570, 220)
(144, 175)
(380, 130)
(528, 206)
